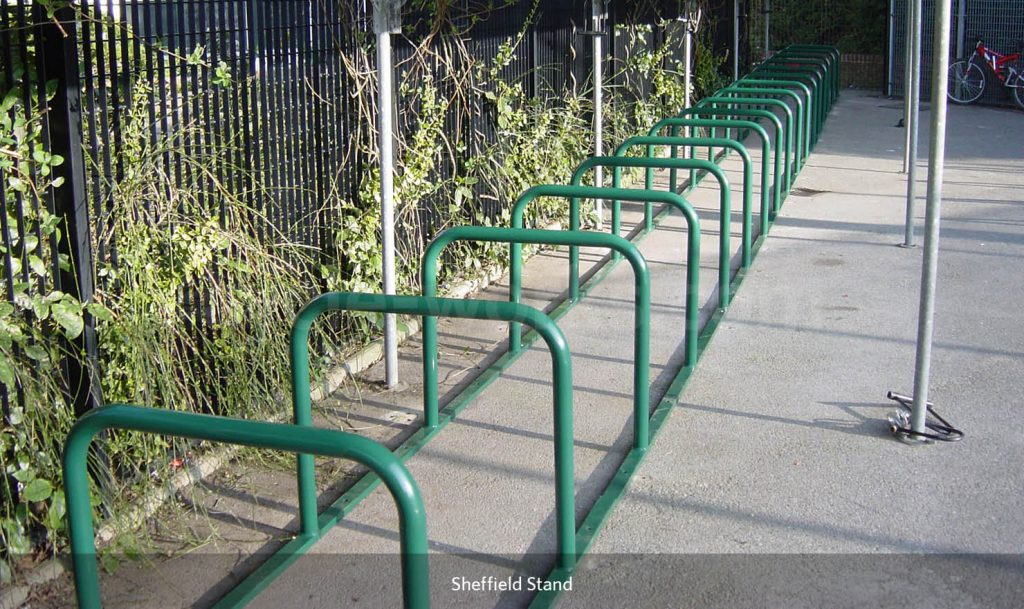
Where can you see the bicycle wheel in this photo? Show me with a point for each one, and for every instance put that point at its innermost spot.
(966, 82)
(1017, 90)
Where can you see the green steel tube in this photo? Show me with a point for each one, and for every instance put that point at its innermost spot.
(794, 60)
(766, 156)
(748, 171)
(805, 69)
(817, 85)
(807, 82)
(780, 167)
(810, 113)
(800, 114)
(791, 153)
(830, 55)
(724, 198)
(565, 502)
(667, 198)
(792, 56)
(290, 438)
(518, 236)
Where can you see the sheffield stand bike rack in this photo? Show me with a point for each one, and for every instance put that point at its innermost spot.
(291, 438)
(519, 236)
(766, 155)
(565, 510)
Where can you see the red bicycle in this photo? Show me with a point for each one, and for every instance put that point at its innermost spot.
(967, 78)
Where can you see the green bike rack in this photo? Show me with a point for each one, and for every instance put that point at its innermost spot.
(290, 438)
(565, 501)
(806, 65)
(781, 138)
(519, 236)
(806, 82)
(811, 125)
(800, 115)
(676, 123)
(651, 141)
(792, 143)
(575, 193)
(825, 49)
(809, 75)
(815, 63)
(815, 58)
(831, 55)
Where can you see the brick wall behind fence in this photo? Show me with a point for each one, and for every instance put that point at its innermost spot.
(863, 71)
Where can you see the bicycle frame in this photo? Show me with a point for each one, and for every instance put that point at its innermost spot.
(997, 61)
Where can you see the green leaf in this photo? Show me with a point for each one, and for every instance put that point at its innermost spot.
(37, 265)
(37, 490)
(99, 311)
(37, 353)
(58, 508)
(109, 562)
(6, 308)
(17, 541)
(195, 58)
(25, 476)
(40, 307)
(68, 314)
(6, 374)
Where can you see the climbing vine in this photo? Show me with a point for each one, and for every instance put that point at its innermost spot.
(192, 236)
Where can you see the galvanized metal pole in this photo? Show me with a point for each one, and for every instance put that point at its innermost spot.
(889, 85)
(688, 60)
(961, 18)
(936, 165)
(735, 40)
(907, 60)
(387, 18)
(598, 13)
(767, 28)
(914, 96)
(691, 21)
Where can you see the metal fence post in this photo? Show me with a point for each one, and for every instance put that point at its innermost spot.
(961, 25)
(59, 46)
(387, 18)
(735, 40)
(599, 13)
(891, 51)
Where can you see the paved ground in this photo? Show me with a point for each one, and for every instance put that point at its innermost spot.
(775, 482)
(780, 445)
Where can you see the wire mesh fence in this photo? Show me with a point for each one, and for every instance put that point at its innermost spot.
(857, 28)
(999, 23)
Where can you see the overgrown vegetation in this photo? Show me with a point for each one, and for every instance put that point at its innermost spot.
(187, 234)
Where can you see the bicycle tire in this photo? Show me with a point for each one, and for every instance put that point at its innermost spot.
(966, 82)
(1017, 90)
